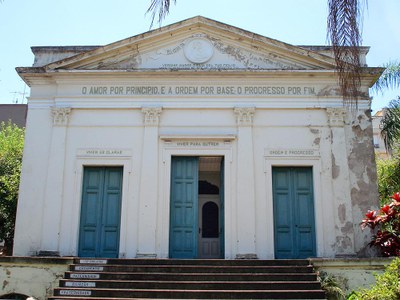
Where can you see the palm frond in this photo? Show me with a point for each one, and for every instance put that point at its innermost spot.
(344, 20)
(390, 125)
(159, 8)
(390, 78)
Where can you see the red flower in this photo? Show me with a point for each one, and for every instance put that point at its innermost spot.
(396, 197)
(371, 214)
(386, 209)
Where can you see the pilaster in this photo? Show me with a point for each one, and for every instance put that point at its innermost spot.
(55, 179)
(246, 204)
(149, 184)
(340, 183)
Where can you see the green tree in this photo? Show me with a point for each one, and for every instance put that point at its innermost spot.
(11, 149)
(388, 170)
(390, 125)
(390, 78)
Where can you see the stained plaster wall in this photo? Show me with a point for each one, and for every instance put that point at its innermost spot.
(34, 277)
(351, 274)
(363, 177)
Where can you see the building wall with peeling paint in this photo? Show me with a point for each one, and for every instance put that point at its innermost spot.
(197, 88)
(34, 277)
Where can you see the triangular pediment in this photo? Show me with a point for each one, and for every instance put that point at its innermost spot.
(196, 43)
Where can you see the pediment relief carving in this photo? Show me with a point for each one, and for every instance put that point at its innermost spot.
(198, 51)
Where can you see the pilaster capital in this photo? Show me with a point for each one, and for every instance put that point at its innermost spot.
(151, 115)
(244, 115)
(60, 115)
(336, 116)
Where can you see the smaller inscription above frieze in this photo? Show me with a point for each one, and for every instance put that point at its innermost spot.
(196, 144)
(292, 152)
(95, 152)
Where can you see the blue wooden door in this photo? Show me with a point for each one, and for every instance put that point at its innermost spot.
(294, 225)
(100, 212)
(184, 208)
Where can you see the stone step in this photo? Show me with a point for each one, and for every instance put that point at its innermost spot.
(193, 276)
(187, 294)
(181, 262)
(106, 298)
(192, 285)
(190, 269)
(108, 279)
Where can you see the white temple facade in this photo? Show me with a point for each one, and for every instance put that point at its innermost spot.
(194, 140)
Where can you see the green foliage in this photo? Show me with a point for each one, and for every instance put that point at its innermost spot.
(388, 176)
(330, 285)
(390, 78)
(387, 285)
(11, 149)
(390, 125)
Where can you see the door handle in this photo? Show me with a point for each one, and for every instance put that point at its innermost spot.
(199, 230)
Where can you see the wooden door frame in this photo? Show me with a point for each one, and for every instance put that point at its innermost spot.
(101, 209)
(165, 185)
(319, 216)
(70, 219)
(293, 208)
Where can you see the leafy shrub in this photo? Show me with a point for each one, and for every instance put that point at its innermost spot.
(11, 148)
(330, 285)
(387, 285)
(388, 170)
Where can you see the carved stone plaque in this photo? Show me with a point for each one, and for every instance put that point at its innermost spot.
(198, 50)
(84, 276)
(80, 284)
(88, 268)
(75, 293)
(93, 261)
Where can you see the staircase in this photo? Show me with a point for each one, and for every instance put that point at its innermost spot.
(111, 279)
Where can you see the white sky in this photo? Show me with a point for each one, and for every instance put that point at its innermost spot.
(26, 23)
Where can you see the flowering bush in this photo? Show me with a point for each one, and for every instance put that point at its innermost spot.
(387, 221)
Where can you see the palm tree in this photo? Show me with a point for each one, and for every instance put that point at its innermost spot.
(344, 20)
(390, 125)
(390, 78)
(160, 8)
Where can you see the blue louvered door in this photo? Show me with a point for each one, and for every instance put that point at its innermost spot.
(294, 225)
(100, 212)
(184, 208)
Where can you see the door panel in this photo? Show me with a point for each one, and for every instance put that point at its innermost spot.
(183, 210)
(294, 224)
(101, 212)
(209, 233)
